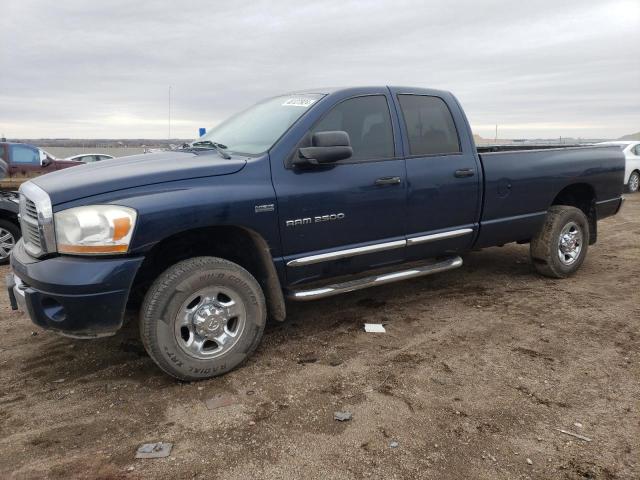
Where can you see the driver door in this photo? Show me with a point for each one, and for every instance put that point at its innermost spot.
(348, 216)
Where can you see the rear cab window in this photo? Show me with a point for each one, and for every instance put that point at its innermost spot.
(429, 125)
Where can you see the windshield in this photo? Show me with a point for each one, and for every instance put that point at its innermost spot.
(255, 130)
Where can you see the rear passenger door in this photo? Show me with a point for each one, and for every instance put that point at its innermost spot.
(443, 193)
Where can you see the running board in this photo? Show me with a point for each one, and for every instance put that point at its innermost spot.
(353, 285)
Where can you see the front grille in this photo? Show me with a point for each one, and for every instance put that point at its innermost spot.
(30, 226)
(30, 208)
(36, 220)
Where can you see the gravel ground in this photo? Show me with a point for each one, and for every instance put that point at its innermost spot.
(478, 370)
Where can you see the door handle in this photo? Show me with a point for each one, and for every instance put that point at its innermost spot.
(387, 181)
(464, 172)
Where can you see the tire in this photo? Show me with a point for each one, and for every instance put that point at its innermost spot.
(634, 182)
(10, 232)
(549, 255)
(202, 317)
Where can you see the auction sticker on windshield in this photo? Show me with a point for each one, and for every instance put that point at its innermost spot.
(299, 102)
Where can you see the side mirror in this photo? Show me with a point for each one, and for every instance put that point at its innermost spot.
(44, 160)
(327, 147)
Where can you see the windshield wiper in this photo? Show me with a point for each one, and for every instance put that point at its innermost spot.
(217, 146)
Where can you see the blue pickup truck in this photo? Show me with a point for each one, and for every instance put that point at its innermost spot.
(300, 197)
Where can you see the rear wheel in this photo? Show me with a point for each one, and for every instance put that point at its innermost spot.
(9, 235)
(561, 245)
(634, 182)
(202, 317)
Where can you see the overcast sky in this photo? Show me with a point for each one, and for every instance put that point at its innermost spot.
(102, 69)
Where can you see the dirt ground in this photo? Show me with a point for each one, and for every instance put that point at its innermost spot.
(478, 370)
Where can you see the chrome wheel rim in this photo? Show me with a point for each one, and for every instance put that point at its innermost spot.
(570, 243)
(210, 322)
(634, 182)
(7, 242)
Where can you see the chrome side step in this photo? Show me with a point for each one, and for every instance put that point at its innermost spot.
(353, 285)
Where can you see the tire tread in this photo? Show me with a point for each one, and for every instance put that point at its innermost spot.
(167, 281)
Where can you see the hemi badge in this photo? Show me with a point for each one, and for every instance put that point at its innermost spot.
(267, 207)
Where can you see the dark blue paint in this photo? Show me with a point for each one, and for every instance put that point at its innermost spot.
(93, 291)
(173, 192)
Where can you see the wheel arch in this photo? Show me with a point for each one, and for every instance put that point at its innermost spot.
(8, 215)
(582, 196)
(237, 244)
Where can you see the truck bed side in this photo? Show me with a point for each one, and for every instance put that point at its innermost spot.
(520, 186)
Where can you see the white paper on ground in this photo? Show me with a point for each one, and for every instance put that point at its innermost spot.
(374, 328)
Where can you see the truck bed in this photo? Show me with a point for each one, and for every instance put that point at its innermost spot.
(521, 184)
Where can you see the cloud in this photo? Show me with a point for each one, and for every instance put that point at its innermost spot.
(103, 69)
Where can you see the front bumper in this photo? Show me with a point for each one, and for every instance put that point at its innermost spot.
(79, 297)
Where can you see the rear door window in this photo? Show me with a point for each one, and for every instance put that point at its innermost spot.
(367, 121)
(430, 126)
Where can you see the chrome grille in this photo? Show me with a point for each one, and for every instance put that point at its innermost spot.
(30, 208)
(30, 226)
(36, 220)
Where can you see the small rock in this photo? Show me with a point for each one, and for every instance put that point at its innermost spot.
(154, 450)
(334, 360)
(539, 439)
(577, 424)
(130, 469)
(342, 416)
(200, 388)
(34, 334)
(60, 380)
(252, 423)
(250, 392)
(394, 444)
(529, 461)
(309, 357)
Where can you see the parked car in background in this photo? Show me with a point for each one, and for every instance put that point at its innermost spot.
(90, 157)
(631, 150)
(23, 162)
(27, 161)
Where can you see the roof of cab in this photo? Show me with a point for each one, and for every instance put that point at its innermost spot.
(364, 88)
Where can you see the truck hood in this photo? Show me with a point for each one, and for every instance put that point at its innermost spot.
(135, 171)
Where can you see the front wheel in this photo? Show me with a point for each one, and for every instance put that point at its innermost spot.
(202, 317)
(561, 245)
(634, 182)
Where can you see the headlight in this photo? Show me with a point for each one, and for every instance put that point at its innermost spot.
(94, 229)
